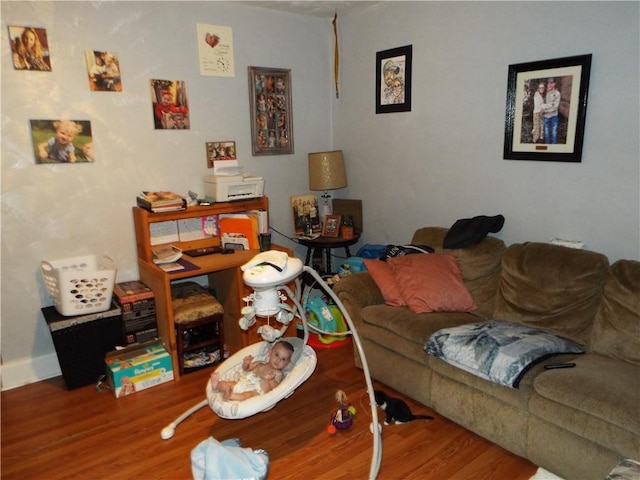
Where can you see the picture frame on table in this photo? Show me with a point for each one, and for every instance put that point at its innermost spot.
(331, 227)
(271, 110)
(306, 215)
(393, 80)
(546, 109)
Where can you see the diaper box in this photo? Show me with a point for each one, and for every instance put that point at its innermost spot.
(138, 367)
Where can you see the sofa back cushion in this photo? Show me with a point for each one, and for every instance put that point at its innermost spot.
(616, 332)
(552, 287)
(479, 265)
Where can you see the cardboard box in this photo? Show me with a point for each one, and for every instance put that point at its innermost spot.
(138, 367)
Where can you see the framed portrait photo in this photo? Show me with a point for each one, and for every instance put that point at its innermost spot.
(546, 109)
(331, 227)
(305, 213)
(270, 108)
(217, 151)
(393, 80)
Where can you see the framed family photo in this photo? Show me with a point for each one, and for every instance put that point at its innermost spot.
(220, 151)
(546, 109)
(305, 214)
(331, 227)
(393, 80)
(270, 108)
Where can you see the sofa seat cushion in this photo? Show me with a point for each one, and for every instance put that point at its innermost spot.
(599, 399)
(401, 330)
(515, 397)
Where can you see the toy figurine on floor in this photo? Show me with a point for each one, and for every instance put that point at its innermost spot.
(342, 418)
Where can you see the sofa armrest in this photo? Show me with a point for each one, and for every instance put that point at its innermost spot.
(357, 291)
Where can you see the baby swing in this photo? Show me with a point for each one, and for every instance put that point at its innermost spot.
(268, 273)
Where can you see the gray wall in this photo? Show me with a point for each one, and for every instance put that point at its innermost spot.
(61, 211)
(444, 160)
(431, 166)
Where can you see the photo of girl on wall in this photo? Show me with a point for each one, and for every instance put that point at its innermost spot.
(170, 105)
(29, 48)
(62, 141)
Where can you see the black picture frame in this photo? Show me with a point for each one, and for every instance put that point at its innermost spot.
(524, 118)
(393, 65)
(271, 111)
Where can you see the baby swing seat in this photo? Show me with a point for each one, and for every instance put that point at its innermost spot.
(302, 365)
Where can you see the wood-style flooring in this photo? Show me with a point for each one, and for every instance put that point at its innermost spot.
(51, 433)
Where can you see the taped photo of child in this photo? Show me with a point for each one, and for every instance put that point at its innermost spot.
(62, 141)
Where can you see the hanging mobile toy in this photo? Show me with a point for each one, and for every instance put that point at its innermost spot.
(342, 418)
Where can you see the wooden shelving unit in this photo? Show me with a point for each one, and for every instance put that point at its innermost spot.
(222, 271)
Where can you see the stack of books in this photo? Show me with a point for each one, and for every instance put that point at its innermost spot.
(161, 201)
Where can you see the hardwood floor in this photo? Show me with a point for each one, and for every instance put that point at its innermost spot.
(51, 433)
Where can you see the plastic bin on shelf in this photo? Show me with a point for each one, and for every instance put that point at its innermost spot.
(80, 285)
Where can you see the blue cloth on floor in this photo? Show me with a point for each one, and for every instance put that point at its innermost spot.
(228, 460)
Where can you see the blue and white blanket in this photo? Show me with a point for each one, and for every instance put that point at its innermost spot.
(498, 351)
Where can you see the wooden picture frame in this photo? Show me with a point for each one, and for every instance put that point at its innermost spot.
(220, 151)
(546, 109)
(271, 111)
(331, 227)
(393, 80)
(349, 208)
(305, 210)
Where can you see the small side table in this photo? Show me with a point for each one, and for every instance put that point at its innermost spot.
(326, 244)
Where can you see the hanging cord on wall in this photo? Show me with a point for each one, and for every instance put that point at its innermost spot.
(336, 54)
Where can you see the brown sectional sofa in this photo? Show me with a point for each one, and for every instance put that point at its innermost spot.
(577, 422)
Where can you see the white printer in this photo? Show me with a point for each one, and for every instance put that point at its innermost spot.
(226, 188)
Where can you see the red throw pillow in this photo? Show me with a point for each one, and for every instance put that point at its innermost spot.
(431, 283)
(385, 279)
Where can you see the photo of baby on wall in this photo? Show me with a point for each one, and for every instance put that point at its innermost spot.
(62, 141)
(103, 69)
(170, 105)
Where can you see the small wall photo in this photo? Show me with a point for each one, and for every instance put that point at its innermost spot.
(29, 48)
(62, 141)
(170, 105)
(103, 69)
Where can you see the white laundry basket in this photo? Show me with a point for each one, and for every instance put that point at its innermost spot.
(80, 285)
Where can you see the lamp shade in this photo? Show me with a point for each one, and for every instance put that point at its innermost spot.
(326, 171)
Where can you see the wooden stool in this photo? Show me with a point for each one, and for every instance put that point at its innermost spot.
(193, 307)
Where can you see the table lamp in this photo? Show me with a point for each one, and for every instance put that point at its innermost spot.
(326, 172)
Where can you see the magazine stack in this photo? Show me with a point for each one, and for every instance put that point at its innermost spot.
(161, 201)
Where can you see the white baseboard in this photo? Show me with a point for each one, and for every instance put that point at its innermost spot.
(542, 474)
(22, 372)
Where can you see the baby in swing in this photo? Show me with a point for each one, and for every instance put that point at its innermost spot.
(257, 377)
